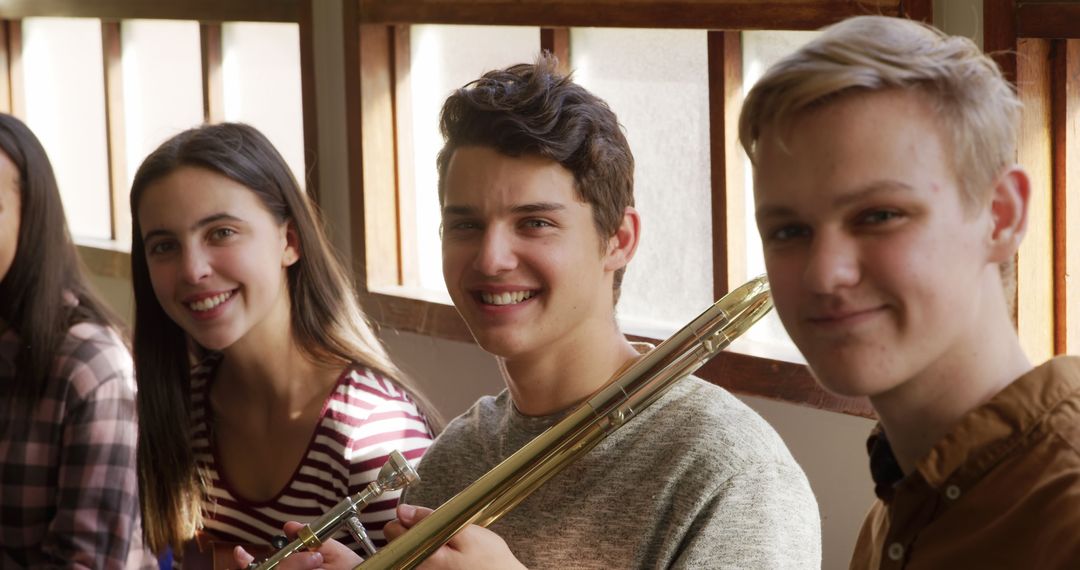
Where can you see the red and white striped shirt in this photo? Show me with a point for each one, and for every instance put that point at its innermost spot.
(365, 418)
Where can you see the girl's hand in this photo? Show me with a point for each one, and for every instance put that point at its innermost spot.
(332, 555)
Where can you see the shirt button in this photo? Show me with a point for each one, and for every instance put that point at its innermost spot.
(896, 551)
(952, 492)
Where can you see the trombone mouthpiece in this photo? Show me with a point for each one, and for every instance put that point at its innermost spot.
(396, 473)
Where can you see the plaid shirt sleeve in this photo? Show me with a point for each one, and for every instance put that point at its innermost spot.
(78, 461)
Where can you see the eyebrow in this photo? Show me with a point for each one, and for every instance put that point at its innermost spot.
(531, 208)
(867, 191)
(212, 218)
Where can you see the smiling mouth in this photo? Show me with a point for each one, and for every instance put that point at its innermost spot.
(506, 298)
(209, 303)
(844, 317)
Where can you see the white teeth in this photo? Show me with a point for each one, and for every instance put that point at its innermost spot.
(210, 302)
(506, 298)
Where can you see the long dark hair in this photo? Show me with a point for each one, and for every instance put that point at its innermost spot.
(45, 292)
(327, 322)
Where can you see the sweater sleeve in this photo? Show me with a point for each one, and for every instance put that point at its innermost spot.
(765, 516)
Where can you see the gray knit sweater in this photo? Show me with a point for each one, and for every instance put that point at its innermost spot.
(698, 480)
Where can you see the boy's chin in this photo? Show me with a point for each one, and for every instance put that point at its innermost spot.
(845, 384)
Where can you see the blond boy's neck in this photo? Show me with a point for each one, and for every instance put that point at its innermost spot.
(918, 413)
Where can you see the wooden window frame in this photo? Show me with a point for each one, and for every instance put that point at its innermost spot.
(1037, 44)
(375, 107)
(107, 258)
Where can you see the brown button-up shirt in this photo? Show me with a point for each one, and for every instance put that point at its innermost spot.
(1000, 490)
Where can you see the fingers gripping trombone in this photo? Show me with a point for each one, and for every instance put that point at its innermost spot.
(395, 474)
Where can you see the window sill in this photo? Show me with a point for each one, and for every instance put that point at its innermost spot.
(105, 258)
(747, 367)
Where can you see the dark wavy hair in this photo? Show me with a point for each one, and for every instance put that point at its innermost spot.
(46, 274)
(327, 321)
(532, 109)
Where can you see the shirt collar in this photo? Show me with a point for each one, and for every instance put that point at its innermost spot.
(985, 435)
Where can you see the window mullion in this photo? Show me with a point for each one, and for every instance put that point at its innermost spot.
(213, 83)
(116, 146)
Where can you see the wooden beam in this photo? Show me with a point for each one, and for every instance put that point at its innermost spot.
(918, 10)
(1034, 270)
(213, 83)
(308, 97)
(697, 14)
(354, 131)
(16, 76)
(1058, 68)
(416, 316)
(115, 133)
(729, 224)
(999, 34)
(717, 54)
(1069, 228)
(205, 10)
(778, 380)
(1049, 20)
(377, 155)
(744, 374)
(105, 261)
(408, 249)
(5, 70)
(556, 41)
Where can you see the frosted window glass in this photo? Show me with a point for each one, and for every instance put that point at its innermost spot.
(261, 72)
(65, 107)
(444, 58)
(162, 71)
(760, 50)
(656, 81)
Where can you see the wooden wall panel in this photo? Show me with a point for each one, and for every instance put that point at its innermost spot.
(1035, 293)
(408, 249)
(115, 131)
(206, 10)
(557, 42)
(213, 83)
(1048, 20)
(377, 154)
(5, 69)
(16, 79)
(698, 14)
(1070, 226)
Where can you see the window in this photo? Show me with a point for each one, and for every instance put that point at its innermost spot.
(102, 93)
(1038, 44)
(443, 58)
(261, 85)
(65, 107)
(694, 75)
(671, 163)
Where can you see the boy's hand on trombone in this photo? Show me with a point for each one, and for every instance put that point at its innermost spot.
(332, 555)
(474, 548)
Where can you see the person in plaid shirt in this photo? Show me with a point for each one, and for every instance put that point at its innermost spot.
(68, 486)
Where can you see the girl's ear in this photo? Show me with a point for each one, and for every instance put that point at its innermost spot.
(1009, 209)
(291, 254)
(623, 244)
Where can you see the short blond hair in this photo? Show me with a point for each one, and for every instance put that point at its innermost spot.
(978, 109)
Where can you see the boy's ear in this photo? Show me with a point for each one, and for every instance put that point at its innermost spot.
(622, 245)
(1008, 210)
(292, 245)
